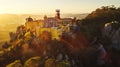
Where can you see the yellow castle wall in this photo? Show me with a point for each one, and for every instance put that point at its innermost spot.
(33, 25)
(38, 28)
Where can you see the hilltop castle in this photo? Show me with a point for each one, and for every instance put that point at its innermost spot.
(56, 25)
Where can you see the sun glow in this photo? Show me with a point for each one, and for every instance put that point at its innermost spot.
(48, 6)
(2, 12)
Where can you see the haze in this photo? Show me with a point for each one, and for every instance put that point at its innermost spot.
(48, 6)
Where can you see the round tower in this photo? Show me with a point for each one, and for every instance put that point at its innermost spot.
(58, 14)
(29, 19)
(45, 17)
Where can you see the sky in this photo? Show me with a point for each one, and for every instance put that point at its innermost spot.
(49, 6)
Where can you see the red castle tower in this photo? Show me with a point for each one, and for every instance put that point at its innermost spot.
(58, 14)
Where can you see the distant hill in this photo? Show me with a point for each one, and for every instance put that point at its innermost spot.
(79, 16)
(20, 19)
(9, 22)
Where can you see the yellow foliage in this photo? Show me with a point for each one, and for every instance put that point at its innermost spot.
(33, 62)
(16, 63)
(50, 63)
(62, 64)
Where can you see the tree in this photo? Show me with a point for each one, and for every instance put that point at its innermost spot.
(95, 21)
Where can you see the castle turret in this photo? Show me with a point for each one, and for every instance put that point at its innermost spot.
(45, 17)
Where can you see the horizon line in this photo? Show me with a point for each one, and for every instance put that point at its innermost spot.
(41, 13)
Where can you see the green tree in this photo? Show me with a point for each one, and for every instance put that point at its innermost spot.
(95, 21)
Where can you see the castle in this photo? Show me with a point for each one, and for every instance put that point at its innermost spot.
(56, 25)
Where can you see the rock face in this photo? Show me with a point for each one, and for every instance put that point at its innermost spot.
(112, 31)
